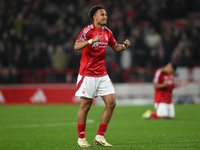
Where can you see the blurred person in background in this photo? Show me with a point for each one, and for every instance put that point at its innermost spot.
(59, 62)
(164, 85)
(25, 24)
(93, 79)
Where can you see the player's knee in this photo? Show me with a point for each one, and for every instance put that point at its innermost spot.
(112, 104)
(86, 107)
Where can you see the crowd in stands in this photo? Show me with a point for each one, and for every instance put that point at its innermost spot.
(40, 34)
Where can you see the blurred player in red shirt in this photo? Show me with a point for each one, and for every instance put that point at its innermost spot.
(93, 79)
(164, 85)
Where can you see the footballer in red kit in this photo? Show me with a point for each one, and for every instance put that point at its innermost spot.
(93, 56)
(163, 95)
(93, 79)
(164, 85)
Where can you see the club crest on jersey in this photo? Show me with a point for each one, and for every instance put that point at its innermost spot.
(83, 35)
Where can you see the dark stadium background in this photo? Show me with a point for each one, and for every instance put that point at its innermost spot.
(37, 38)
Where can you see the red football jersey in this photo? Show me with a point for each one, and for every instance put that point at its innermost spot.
(93, 56)
(163, 95)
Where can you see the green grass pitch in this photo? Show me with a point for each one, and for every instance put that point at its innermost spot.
(53, 127)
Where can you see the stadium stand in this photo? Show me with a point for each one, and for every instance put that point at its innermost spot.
(37, 38)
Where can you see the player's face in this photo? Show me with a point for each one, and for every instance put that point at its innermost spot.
(170, 70)
(101, 17)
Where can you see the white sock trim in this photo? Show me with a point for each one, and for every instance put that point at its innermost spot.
(81, 139)
(98, 136)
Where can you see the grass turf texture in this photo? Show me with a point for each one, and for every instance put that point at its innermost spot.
(48, 127)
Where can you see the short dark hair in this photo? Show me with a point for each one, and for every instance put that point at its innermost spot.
(94, 9)
(174, 66)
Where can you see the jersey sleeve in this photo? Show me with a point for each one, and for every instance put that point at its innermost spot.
(158, 77)
(112, 40)
(83, 36)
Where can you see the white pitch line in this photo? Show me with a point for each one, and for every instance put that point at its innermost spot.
(45, 125)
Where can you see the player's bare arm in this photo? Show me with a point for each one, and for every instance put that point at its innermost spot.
(160, 85)
(81, 44)
(183, 83)
(163, 85)
(121, 47)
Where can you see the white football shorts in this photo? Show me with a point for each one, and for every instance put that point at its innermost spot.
(91, 87)
(165, 110)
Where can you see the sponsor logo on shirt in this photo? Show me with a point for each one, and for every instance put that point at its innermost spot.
(100, 44)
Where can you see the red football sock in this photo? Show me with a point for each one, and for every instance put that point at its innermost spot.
(81, 130)
(153, 115)
(102, 129)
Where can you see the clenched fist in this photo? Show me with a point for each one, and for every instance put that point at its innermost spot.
(96, 38)
(127, 43)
